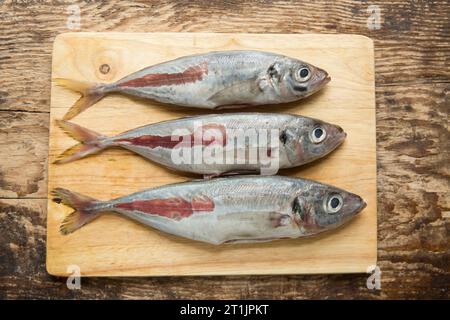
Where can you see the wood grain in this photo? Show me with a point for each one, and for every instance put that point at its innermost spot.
(412, 81)
(126, 248)
(24, 141)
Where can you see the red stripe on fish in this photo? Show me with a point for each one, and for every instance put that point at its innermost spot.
(216, 134)
(173, 208)
(190, 75)
(152, 141)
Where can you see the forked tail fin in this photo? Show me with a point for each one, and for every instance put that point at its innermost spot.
(90, 94)
(86, 209)
(90, 142)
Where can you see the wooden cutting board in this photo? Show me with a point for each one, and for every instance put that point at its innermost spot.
(114, 246)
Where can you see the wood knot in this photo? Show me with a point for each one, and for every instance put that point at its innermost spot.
(106, 64)
(104, 68)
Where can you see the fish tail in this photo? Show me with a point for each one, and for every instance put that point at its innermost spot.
(91, 92)
(90, 142)
(86, 209)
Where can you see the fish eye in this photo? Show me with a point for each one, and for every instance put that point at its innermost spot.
(303, 74)
(318, 134)
(334, 203)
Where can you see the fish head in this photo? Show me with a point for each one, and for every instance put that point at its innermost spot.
(298, 79)
(320, 207)
(307, 139)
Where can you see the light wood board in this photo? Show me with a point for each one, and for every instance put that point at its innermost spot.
(115, 246)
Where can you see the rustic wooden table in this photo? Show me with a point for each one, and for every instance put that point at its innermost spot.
(412, 49)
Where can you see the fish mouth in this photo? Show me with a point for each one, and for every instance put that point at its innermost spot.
(362, 206)
(321, 79)
(324, 78)
(356, 204)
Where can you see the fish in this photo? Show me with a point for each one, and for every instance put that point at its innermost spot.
(239, 209)
(214, 80)
(217, 144)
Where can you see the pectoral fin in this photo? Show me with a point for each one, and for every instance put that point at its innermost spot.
(238, 93)
(293, 147)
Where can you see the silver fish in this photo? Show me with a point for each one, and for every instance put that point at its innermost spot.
(226, 210)
(233, 143)
(227, 79)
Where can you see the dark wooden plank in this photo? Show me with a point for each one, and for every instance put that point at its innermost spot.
(413, 190)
